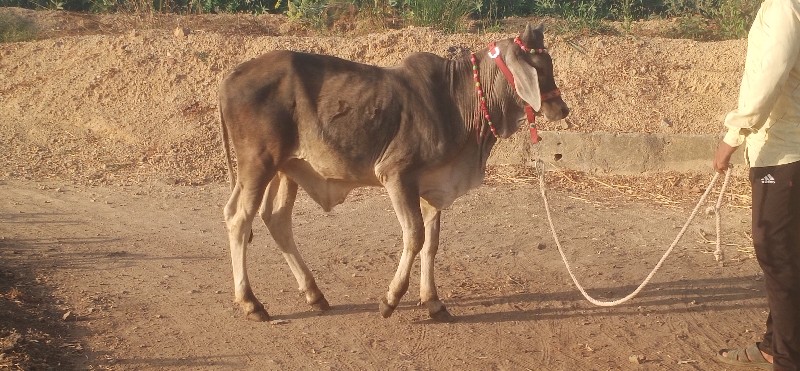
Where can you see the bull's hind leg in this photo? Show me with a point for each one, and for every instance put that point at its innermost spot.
(405, 200)
(276, 211)
(427, 287)
(239, 213)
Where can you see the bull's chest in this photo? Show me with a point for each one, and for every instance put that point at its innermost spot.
(441, 186)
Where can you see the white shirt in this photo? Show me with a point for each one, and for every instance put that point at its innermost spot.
(767, 118)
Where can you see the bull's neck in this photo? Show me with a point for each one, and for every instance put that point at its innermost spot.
(463, 90)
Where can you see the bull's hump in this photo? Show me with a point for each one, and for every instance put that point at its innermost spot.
(423, 58)
(422, 64)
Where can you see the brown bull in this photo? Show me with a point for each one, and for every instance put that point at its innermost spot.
(422, 130)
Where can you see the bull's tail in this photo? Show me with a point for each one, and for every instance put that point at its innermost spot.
(227, 148)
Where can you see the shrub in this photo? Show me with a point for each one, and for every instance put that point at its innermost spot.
(734, 17)
(705, 19)
(310, 11)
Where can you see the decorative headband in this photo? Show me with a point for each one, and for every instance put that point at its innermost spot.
(521, 44)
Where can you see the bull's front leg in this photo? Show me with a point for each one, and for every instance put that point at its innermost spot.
(427, 287)
(405, 200)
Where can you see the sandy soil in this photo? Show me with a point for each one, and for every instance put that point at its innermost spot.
(113, 252)
(139, 103)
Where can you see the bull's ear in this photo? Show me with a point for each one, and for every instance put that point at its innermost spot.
(526, 81)
(533, 37)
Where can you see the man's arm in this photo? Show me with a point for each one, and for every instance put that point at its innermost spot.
(722, 158)
(776, 29)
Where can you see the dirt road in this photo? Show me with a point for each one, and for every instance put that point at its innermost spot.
(113, 253)
(144, 273)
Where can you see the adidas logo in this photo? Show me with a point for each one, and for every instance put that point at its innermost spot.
(768, 179)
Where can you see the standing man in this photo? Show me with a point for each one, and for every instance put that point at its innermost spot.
(767, 122)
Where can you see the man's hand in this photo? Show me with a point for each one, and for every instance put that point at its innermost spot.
(722, 158)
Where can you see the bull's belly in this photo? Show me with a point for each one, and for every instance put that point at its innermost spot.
(327, 185)
(328, 182)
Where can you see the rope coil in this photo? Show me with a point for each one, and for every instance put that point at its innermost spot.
(718, 253)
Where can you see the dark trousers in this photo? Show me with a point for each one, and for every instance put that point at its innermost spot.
(776, 237)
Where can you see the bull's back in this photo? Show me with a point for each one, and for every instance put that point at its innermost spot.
(343, 117)
(338, 115)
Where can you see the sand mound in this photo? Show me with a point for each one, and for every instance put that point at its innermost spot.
(124, 99)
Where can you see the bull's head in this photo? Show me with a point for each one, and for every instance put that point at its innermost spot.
(532, 70)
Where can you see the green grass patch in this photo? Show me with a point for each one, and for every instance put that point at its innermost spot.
(15, 28)
(713, 19)
(697, 19)
(446, 15)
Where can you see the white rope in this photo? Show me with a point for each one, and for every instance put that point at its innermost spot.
(719, 255)
(717, 252)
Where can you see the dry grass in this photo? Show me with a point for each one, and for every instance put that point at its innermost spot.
(667, 189)
(675, 190)
(14, 294)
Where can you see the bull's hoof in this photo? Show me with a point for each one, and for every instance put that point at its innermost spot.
(385, 308)
(321, 304)
(259, 315)
(438, 312)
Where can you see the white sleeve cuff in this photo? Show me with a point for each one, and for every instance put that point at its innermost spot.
(734, 137)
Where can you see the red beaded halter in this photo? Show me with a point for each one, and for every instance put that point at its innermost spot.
(481, 97)
(494, 53)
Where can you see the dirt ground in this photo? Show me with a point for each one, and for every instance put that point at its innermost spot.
(113, 252)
